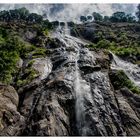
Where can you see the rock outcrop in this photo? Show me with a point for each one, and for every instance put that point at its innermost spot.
(74, 96)
(11, 121)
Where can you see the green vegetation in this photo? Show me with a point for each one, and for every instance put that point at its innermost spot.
(39, 52)
(46, 32)
(15, 26)
(115, 17)
(12, 48)
(28, 76)
(122, 17)
(9, 55)
(83, 19)
(21, 14)
(120, 80)
(123, 51)
(97, 16)
(138, 13)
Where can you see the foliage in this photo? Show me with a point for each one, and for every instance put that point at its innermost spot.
(47, 24)
(20, 14)
(55, 23)
(131, 50)
(33, 17)
(46, 32)
(8, 59)
(71, 24)
(89, 17)
(116, 17)
(11, 49)
(83, 19)
(29, 75)
(120, 80)
(138, 12)
(39, 52)
(97, 16)
(106, 18)
(122, 17)
(14, 45)
(102, 44)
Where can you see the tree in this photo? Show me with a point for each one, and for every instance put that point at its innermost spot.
(33, 17)
(83, 19)
(23, 12)
(71, 24)
(47, 24)
(118, 17)
(4, 16)
(97, 16)
(55, 23)
(138, 12)
(14, 14)
(20, 14)
(106, 18)
(130, 18)
(89, 17)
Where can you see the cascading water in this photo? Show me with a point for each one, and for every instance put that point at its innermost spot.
(131, 70)
(81, 87)
(82, 92)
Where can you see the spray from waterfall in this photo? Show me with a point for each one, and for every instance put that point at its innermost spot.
(131, 70)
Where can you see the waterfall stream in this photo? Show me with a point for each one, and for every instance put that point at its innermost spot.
(131, 70)
(82, 93)
(81, 87)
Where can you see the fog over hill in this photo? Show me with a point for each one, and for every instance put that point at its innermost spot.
(72, 12)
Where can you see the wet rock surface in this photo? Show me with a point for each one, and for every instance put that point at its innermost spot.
(74, 98)
(11, 121)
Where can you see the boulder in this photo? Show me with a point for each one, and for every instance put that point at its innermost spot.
(11, 122)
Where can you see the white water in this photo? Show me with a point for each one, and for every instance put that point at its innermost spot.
(82, 93)
(131, 70)
(81, 87)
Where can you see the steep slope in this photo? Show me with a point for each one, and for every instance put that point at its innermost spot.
(72, 93)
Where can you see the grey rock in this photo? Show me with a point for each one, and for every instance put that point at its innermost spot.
(11, 121)
(74, 98)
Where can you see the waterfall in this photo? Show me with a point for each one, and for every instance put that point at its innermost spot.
(82, 94)
(81, 87)
(131, 70)
(66, 29)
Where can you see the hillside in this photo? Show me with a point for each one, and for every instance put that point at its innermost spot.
(56, 84)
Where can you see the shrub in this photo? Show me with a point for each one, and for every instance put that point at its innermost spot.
(97, 16)
(120, 80)
(39, 52)
(138, 12)
(46, 32)
(103, 44)
(123, 51)
(11, 49)
(9, 56)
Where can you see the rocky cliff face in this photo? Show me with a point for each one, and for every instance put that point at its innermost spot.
(72, 95)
